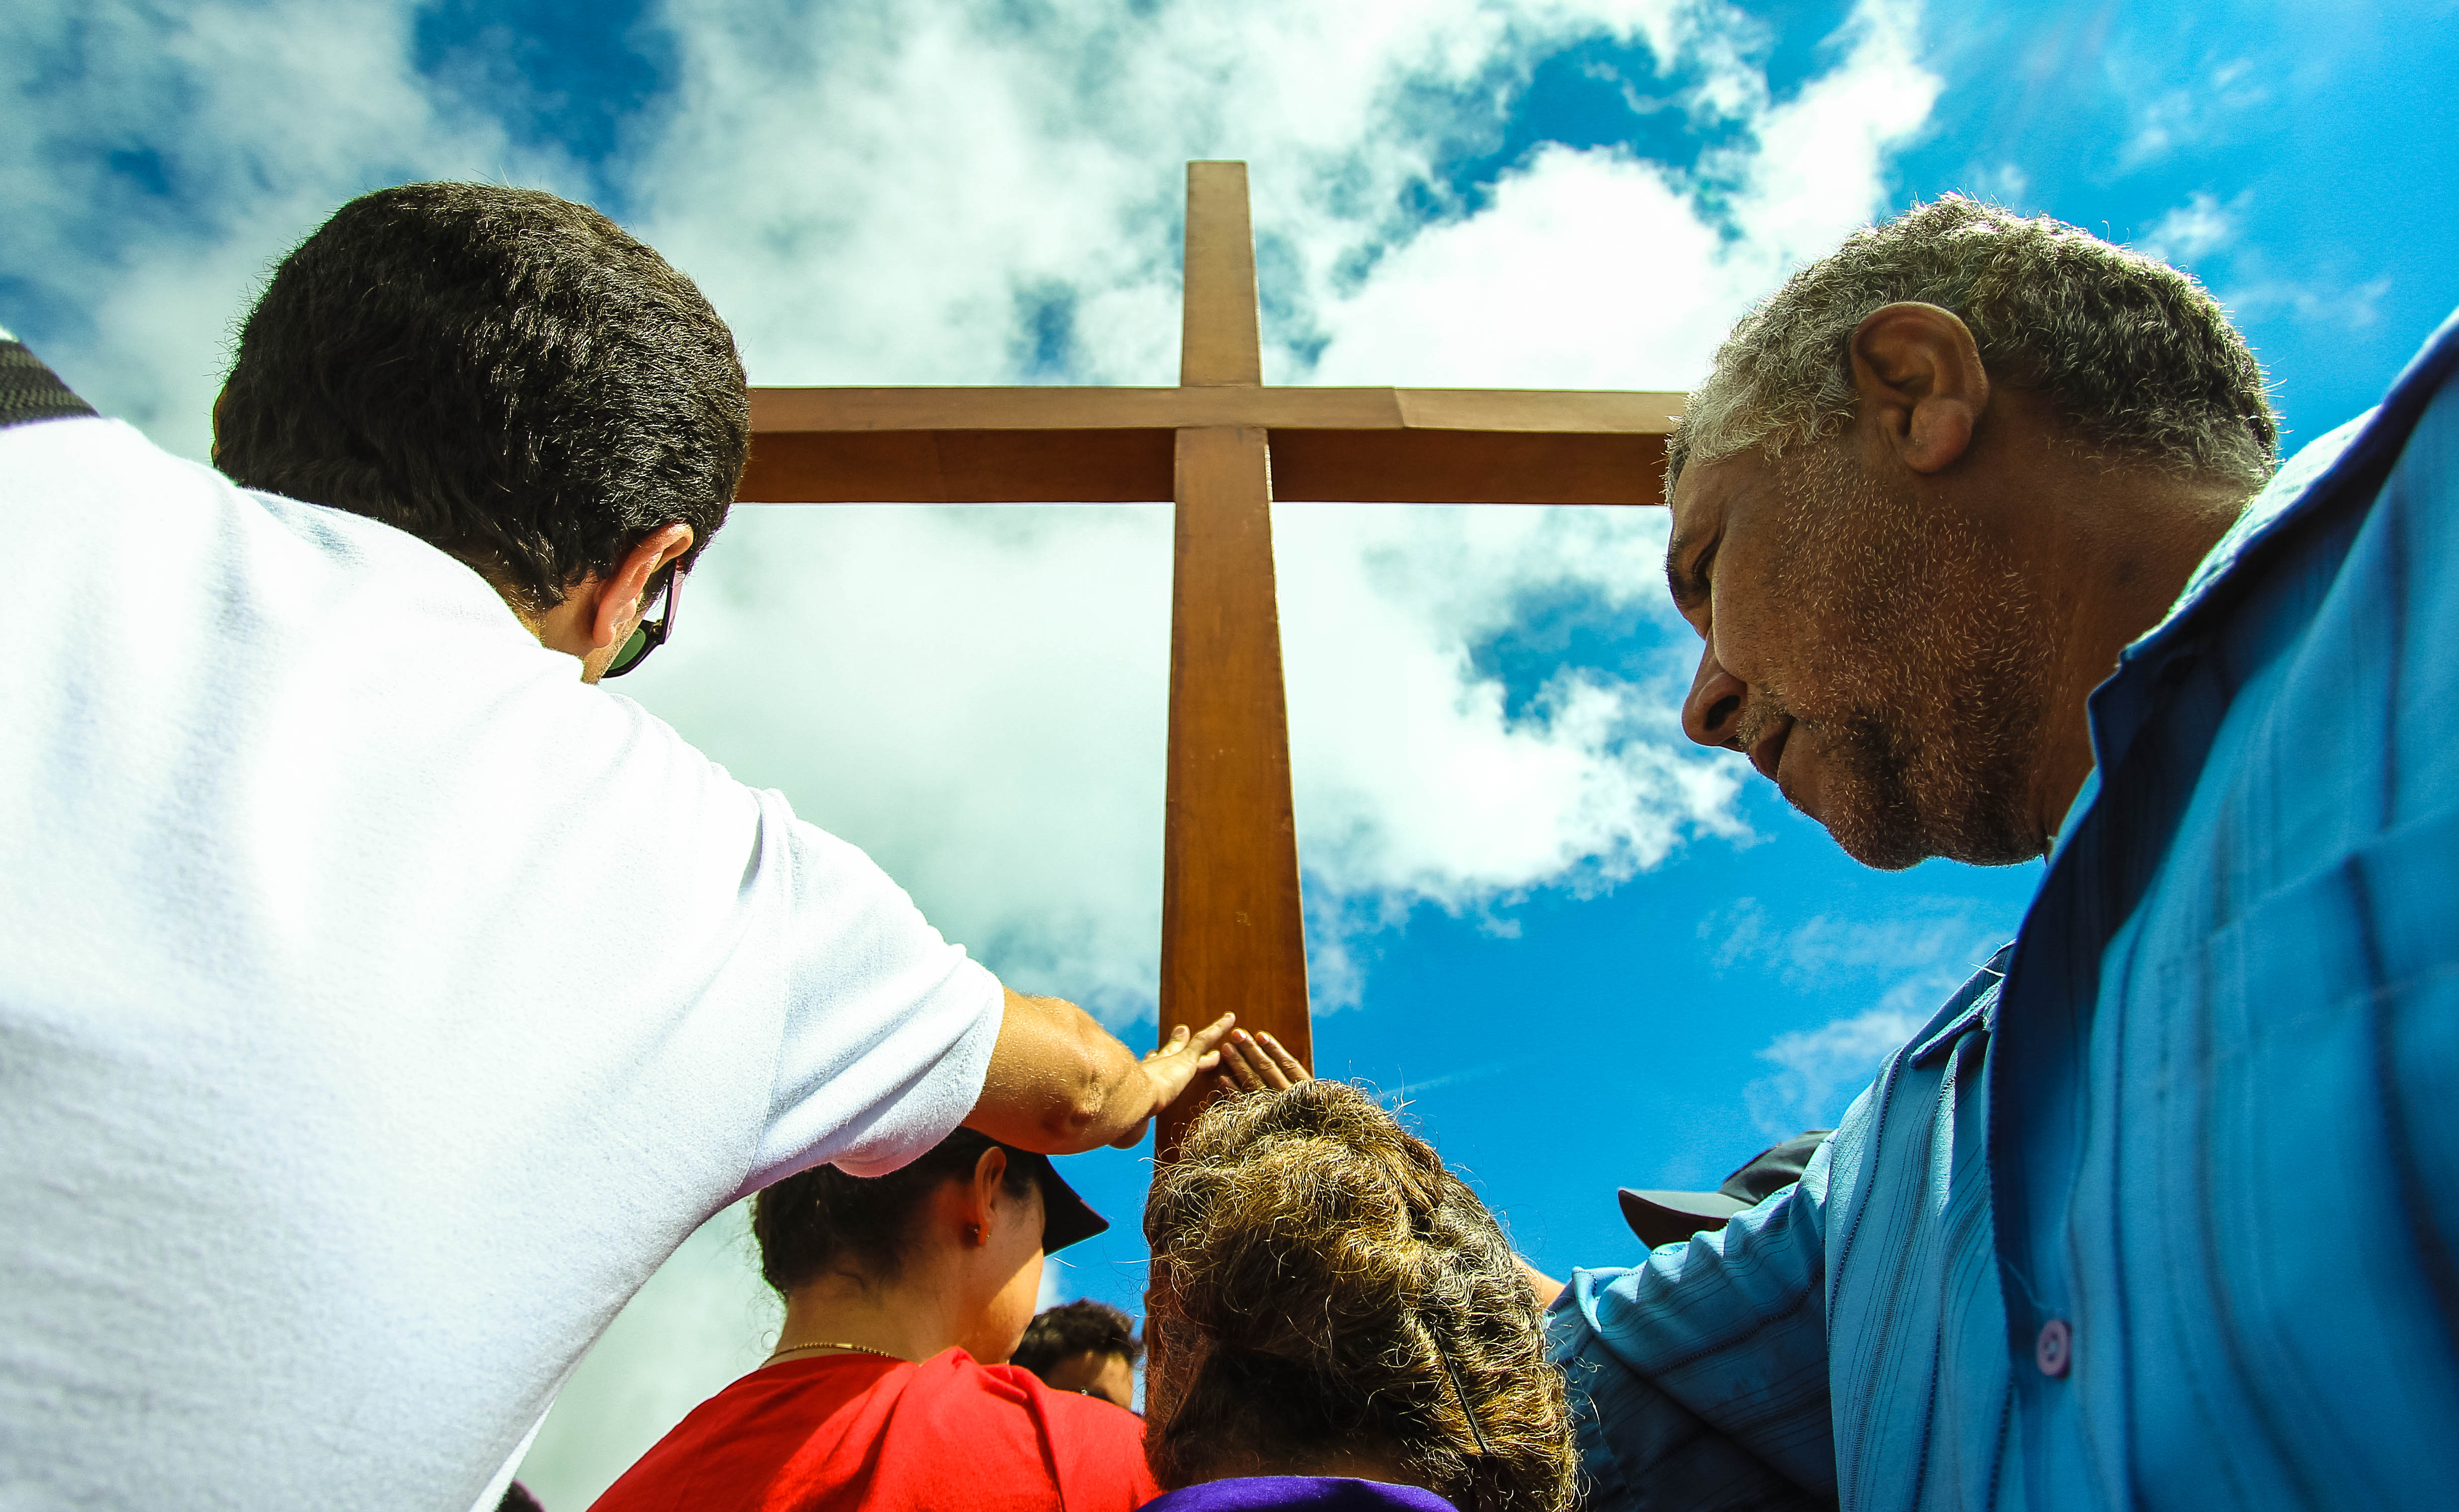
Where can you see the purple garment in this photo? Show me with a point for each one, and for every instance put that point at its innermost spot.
(1325, 1493)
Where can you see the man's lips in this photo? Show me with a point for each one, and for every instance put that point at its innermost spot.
(1767, 753)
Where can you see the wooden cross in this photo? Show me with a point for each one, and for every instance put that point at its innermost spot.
(1225, 447)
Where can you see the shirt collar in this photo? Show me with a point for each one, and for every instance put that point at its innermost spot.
(2076, 812)
(2315, 473)
(1974, 1004)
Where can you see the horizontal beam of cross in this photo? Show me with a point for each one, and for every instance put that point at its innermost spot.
(1093, 446)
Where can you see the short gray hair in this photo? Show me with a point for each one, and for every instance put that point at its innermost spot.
(2134, 354)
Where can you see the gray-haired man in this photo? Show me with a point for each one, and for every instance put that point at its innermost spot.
(1938, 490)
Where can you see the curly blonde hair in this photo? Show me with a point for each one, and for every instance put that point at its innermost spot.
(1322, 1283)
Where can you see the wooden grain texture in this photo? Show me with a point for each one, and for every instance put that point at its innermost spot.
(1279, 408)
(1093, 446)
(1101, 466)
(1218, 338)
(1232, 934)
(959, 467)
(1467, 467)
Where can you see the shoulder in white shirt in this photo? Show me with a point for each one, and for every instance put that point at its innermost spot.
(380, 1004)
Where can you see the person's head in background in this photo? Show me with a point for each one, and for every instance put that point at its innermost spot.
(1326, 1299)
(1084, 1346)
(1930, 488)
(943, 1253)
(509, 377)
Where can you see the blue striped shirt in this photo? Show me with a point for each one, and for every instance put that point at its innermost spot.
(2151, 1213)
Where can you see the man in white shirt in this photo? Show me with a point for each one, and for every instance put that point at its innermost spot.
(380, 1002)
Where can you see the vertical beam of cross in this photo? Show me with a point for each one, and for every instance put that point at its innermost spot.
(1232, 934)
(1219, 341)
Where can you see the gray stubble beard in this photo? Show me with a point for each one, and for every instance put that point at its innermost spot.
(1931, 717)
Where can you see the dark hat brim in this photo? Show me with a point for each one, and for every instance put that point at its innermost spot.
(1066, 1218)
(1670, 1217)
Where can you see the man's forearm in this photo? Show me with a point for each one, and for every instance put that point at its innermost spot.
(1058, 1082)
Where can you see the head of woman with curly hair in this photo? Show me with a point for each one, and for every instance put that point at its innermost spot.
(1330, 1303)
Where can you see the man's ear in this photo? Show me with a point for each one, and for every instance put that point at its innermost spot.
(1922, 389)
(618, 609)
(988, 1193)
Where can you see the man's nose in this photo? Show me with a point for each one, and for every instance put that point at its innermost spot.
(1714, 705)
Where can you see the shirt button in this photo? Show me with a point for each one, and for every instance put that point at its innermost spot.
(2052, 1350)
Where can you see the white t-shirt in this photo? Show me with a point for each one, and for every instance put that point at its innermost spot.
(379, 1005)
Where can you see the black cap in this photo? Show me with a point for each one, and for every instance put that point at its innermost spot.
(1066, 1217)
(1670, 1217)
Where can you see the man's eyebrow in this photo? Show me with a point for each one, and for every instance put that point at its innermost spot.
(1688, 588)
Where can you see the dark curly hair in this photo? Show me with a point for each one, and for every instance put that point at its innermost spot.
(504, 374)
(823, 1220)
(1322, 1283)
(1084, 1327)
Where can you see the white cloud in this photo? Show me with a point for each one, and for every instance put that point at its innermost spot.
(1948, 933)
(2188, 231)
(1582, 273)
(917, 188)
(977, 696)
(2344, 307)
(1820, 1071)
(886, 197)
(2166, 119)
(1416, 784)
(889, 195)
(1921, 952)
(259, 118)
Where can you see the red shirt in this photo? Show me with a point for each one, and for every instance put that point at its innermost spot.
(845, 1431)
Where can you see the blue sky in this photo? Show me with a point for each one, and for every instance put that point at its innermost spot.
(2291, 156)
(1582, 953)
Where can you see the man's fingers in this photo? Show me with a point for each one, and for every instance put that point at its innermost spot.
(1266, 1074)
(1198, 1041)
(1213, 1033)
(1252, 1063)
(1290, 1065)
(1187, 1058)
(1259, 1062)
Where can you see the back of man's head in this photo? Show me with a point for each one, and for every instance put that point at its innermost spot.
(2140, 363)
(500, 372)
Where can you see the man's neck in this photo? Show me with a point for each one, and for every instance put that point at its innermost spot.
(908, 1318)
(2120, 551)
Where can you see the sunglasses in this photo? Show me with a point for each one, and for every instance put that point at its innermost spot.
(649, 635)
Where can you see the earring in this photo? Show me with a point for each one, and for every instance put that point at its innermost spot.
(973, 1233)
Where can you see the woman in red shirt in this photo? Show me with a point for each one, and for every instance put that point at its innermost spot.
(898, 1289)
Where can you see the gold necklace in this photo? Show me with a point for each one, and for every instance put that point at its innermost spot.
(783, 1350)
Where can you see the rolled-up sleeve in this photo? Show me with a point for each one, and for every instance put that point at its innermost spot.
(886, 1028)
(1700, 1377)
